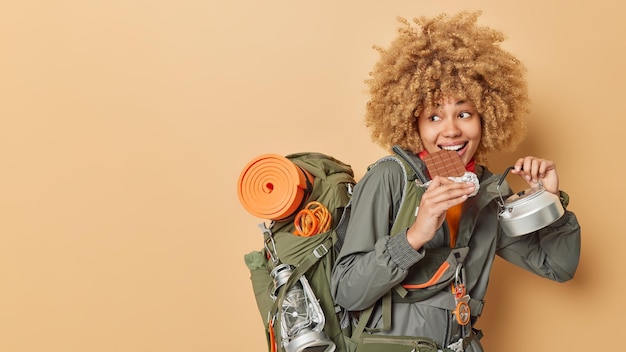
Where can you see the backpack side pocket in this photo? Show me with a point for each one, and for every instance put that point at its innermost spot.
(261, 281)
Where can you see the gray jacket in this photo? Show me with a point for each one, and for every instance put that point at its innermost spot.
(372, 261)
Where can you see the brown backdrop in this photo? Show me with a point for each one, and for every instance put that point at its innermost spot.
(125, 125)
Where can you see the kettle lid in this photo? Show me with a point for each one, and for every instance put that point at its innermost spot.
(525, 195)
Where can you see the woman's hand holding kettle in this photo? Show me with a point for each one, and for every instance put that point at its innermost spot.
(534, 169)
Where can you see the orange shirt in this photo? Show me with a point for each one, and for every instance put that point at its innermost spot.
(453, 216)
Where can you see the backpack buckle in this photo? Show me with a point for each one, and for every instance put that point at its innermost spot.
(320, 251)
(456, 346)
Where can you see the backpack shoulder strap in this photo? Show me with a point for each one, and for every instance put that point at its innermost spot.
(412, 194)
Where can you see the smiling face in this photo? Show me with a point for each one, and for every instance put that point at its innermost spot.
(453, 125)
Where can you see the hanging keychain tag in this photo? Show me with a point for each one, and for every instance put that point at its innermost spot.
(461, 298)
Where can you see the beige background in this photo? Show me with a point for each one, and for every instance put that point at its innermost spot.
(125, 125)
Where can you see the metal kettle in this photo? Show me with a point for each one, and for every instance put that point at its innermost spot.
(529, 210)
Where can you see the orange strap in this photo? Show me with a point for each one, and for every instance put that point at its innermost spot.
(273, 346)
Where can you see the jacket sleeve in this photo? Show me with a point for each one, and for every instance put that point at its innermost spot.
(552, 252)
(371, 262)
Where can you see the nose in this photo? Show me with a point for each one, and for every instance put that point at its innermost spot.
(450, 128)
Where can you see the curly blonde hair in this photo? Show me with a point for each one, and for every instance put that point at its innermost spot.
(447, 56)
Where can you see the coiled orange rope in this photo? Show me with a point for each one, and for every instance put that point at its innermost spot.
(313, 219)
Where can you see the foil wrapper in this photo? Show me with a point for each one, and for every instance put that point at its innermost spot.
(468, 176)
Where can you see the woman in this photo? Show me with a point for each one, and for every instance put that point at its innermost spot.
(445, 84)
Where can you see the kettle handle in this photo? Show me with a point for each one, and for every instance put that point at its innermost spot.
(506, 172)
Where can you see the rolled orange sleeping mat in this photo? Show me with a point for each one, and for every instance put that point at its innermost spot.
(272, 187)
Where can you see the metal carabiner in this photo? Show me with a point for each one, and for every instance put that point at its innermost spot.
(269, 240)
(459, 276)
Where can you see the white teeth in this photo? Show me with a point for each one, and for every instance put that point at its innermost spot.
(452, 147)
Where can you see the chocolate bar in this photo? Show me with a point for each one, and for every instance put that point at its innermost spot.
(446, 163)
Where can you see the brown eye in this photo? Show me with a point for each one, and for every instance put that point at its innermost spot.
(434, 118)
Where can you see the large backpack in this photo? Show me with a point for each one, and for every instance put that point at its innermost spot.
(288, 266)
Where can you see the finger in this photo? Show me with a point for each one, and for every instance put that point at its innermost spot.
(535, 167)
(439, 181)
(541, 170)
(455, 191)
(523, 166)
(438, 207)
(527, 169)
(517, 167)
(443, 184)
(543, 167)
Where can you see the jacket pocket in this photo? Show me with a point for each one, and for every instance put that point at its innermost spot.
(435, 271)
